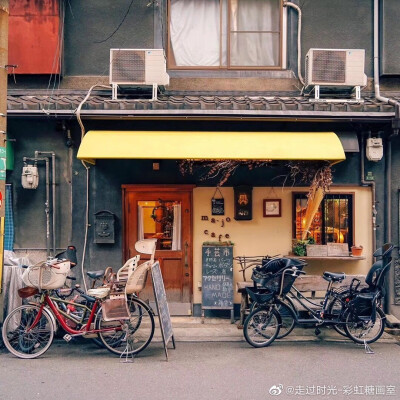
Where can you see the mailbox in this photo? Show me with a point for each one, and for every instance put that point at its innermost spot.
(104, 222)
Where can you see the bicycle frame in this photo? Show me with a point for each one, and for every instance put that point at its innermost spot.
(47, 300)
(72, 317)
(320, 316)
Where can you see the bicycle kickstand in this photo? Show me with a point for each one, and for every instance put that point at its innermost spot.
(367, 348)
(124, 357)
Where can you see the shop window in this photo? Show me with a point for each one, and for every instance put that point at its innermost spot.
(160, 220)
(225, 34)
(333, 221)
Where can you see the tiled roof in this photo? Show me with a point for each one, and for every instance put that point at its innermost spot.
(287, 104)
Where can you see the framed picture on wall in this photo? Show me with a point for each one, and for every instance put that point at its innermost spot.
(272, 208)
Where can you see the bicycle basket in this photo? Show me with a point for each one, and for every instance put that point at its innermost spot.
(364, 306)
(274, 284)
(115, 308)
(259, 295)
(44, 276)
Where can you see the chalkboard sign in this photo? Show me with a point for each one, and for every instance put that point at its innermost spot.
(217, 206)
(162, 306)
(217, 285)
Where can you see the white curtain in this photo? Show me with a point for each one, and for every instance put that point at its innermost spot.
(140, 223)
(255, 48)
(196, 36)
(195, 32)
(176, 228)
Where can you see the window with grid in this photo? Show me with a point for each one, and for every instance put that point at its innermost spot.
(225, 34)
(333, 221)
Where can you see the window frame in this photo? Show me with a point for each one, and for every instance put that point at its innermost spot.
(351, 211)
(282, 45)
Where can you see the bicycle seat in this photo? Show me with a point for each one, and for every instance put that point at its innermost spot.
(95, 274)
(334, 276)
(99, 293)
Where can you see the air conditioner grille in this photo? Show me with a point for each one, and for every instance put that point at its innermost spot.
(128, 66)
(329, 66)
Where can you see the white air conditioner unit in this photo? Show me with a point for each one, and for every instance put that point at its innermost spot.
(138, 67)
(335, 68)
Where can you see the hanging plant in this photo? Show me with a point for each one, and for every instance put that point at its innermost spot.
(316, 173)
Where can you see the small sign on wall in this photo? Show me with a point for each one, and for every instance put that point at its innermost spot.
(243, 202)
(217, 204)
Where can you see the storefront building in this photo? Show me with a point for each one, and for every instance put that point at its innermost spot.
(124, 164)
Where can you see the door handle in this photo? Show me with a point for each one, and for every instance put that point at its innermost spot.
(186, 255)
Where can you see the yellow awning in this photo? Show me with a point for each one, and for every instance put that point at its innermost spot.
(211, 145)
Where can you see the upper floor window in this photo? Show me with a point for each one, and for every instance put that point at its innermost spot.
(333, 221)
(227, 34)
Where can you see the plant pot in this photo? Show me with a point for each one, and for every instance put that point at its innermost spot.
(356, 251)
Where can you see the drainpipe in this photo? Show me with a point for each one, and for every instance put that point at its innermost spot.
(298, 9)
(388, 166)
(395, 125)
(53, 185)
(47, 203)
(373, 187)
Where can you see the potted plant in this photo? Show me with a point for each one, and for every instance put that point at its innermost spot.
(356, 251)
(299, 246)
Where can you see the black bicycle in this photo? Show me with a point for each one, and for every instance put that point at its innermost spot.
(262, 326)
(354, 312)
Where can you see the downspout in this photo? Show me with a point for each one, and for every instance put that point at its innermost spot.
(47, 203)
(53, 185)
(373, 187)
(388, 167)
(296, 7)
(395, 126)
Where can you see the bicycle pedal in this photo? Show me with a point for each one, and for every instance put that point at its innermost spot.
(317, 331)
(67, 337)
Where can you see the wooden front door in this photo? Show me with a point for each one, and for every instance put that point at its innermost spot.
(163, 212)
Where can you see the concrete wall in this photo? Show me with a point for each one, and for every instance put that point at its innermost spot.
(342, 24)
(29, 205)
(89, 24)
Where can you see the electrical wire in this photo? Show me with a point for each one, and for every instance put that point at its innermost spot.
(119, 26)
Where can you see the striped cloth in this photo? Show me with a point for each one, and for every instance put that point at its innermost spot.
(9, 221)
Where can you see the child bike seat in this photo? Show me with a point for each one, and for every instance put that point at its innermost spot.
(333, 276)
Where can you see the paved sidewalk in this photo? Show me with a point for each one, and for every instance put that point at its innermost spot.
(192, 329)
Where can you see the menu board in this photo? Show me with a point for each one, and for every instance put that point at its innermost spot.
(217, 284)
(162, 306)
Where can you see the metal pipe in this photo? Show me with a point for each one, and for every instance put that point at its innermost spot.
(53, 183)
(373, 190)
(47, 203)
(296, 7)
(376, 59)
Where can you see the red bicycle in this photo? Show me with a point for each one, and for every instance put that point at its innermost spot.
(28, 331)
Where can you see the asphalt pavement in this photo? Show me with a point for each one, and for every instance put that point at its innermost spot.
(323, 369)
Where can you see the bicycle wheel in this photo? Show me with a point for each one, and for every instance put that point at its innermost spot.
(288, 319)
(22, 341)
(337, 308)
(261, 327)
(129, 336)
(364, 331)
